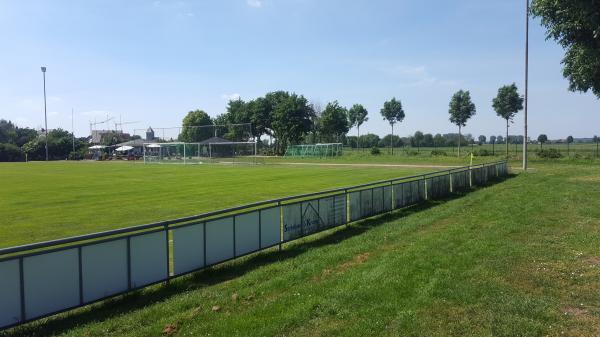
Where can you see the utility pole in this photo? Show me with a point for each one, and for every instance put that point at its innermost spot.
(526, 82)
(73, 129)
(45, 113)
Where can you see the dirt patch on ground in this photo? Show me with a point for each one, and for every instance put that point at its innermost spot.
(574, 311)
(593, 261)
(343, 267)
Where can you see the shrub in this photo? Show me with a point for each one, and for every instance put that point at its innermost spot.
(549, 154)
(10, 152)
(412, 153)
(482, 153)
(438, 153)
(375, 151)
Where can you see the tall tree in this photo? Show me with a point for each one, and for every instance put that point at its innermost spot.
(334, 121)
(191, 127)
(392, 112)
(482, 139)
(507, 104)
(260, 117)
(542, 139)
(574, 24)
(493, 141)
(291, 120)
(357, 115)
(461, 109)
(569, 141)
(418, 138)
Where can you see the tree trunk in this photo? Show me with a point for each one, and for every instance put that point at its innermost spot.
(357, 137)
(392, 140)
(507, 138)
(459, 138)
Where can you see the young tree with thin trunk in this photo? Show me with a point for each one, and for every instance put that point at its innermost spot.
(357, 116)
(461, 109)
(392, 112)
(569, 141)
(493, 141)
(596, 140)
(542, 139)
(507, 104)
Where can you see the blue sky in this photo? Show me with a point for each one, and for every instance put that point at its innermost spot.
(152, 61)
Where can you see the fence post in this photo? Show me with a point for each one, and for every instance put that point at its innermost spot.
(166, 227)
(280, 223)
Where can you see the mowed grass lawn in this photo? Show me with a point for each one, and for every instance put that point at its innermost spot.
(517, 258)
(43, 201)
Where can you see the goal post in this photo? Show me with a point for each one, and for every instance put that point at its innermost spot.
(198, 153)
(315, 150)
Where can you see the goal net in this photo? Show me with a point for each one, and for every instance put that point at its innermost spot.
(315, 150)
(201, 152)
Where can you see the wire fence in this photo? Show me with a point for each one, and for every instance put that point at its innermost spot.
(42, 279)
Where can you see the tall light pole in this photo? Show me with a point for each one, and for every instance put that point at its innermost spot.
(526, 82)
(45, 113)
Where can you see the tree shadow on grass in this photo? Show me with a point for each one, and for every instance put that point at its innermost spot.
(124, 304)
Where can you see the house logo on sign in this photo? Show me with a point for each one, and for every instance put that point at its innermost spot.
(311, 218)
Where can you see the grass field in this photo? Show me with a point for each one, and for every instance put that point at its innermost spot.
(517, 258)
(43, 201)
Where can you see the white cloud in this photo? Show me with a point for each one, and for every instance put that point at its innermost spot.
(53, 113)
(190, 14)
(254, 3)
(416, 76)
(231, 97)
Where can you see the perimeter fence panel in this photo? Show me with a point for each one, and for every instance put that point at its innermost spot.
(247, 233)
(480, 176)
(491, 172)
(292, 221)
(378, 203)
(311, 219)
(270, 226)
(74, 271)
(387, 199)
(438, 187)
(355, 213)
(148, 258)
(188, 248)
(104, 269)
(51, 282)
(10, 291)
(341, 207)
(366, 203)
(219, 240)
(327, 211)
(460, 181)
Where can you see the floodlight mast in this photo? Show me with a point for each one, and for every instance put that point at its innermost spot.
(45, 114)
(526, 82)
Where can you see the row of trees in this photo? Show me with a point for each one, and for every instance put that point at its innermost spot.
(18, 143)
(289, 118)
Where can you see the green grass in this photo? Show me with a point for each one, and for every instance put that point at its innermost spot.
(43, 201)
(517, 258)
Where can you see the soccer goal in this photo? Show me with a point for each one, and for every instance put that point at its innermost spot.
(201, 152)
(315, 150)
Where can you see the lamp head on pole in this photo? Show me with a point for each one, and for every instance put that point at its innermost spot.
(43, 69)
